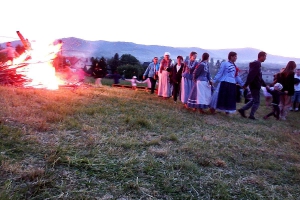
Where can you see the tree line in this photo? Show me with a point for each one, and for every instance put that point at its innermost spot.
(126, 65)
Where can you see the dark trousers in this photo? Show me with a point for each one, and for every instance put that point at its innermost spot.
(254, 102)
(176, 88)
(153, 84)
(275, 112)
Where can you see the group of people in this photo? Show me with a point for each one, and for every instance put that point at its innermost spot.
(192, 84)
(290, 83)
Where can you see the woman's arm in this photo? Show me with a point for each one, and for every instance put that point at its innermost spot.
(220, 72)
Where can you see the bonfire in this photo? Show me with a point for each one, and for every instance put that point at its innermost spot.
(34, 68)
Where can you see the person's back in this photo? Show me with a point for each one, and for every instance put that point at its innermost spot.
(254, 81)
(254, 78)
(287, 82)
(286, 78)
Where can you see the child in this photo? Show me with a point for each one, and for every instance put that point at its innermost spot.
(133, 81)
(267, 95)
(276, 92)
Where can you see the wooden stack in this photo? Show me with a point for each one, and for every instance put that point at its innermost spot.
(9, 76)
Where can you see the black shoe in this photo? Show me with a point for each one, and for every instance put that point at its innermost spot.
(242, 112)
(251, 117)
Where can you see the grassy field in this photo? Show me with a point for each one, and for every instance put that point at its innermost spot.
(113, 143)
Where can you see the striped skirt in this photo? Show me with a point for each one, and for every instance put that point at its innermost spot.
(185, 89)
(200, 96)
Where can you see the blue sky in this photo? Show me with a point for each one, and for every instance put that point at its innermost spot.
(271, 26)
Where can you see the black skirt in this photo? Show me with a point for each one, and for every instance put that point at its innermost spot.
(227, 97)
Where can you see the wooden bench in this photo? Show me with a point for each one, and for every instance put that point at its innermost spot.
(121, 86)
(129, 86)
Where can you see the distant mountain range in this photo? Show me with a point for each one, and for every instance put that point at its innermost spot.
(83, 48)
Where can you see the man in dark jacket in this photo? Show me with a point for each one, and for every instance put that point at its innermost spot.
(254, 81)
(175, 77)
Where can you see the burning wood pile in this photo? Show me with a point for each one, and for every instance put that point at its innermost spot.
(34, 68)
(9, 76)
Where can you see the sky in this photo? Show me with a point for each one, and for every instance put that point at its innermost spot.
(268, 25)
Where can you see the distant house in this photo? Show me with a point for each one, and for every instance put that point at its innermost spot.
(88, 62)
(77, 63)
(80, 63)
(267, 76)
(71, 59)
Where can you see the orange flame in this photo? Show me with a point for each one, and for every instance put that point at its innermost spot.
(39, 70)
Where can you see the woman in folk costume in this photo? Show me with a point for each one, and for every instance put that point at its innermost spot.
(187, 78)
(224, 97)
(164, 89)
(200, 96)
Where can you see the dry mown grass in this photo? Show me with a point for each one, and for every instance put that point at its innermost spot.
(111, 143)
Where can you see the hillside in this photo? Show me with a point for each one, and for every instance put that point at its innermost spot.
(147, 52)
(112, 143)
(84, 48)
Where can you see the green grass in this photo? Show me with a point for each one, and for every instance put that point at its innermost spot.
(114, 143)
